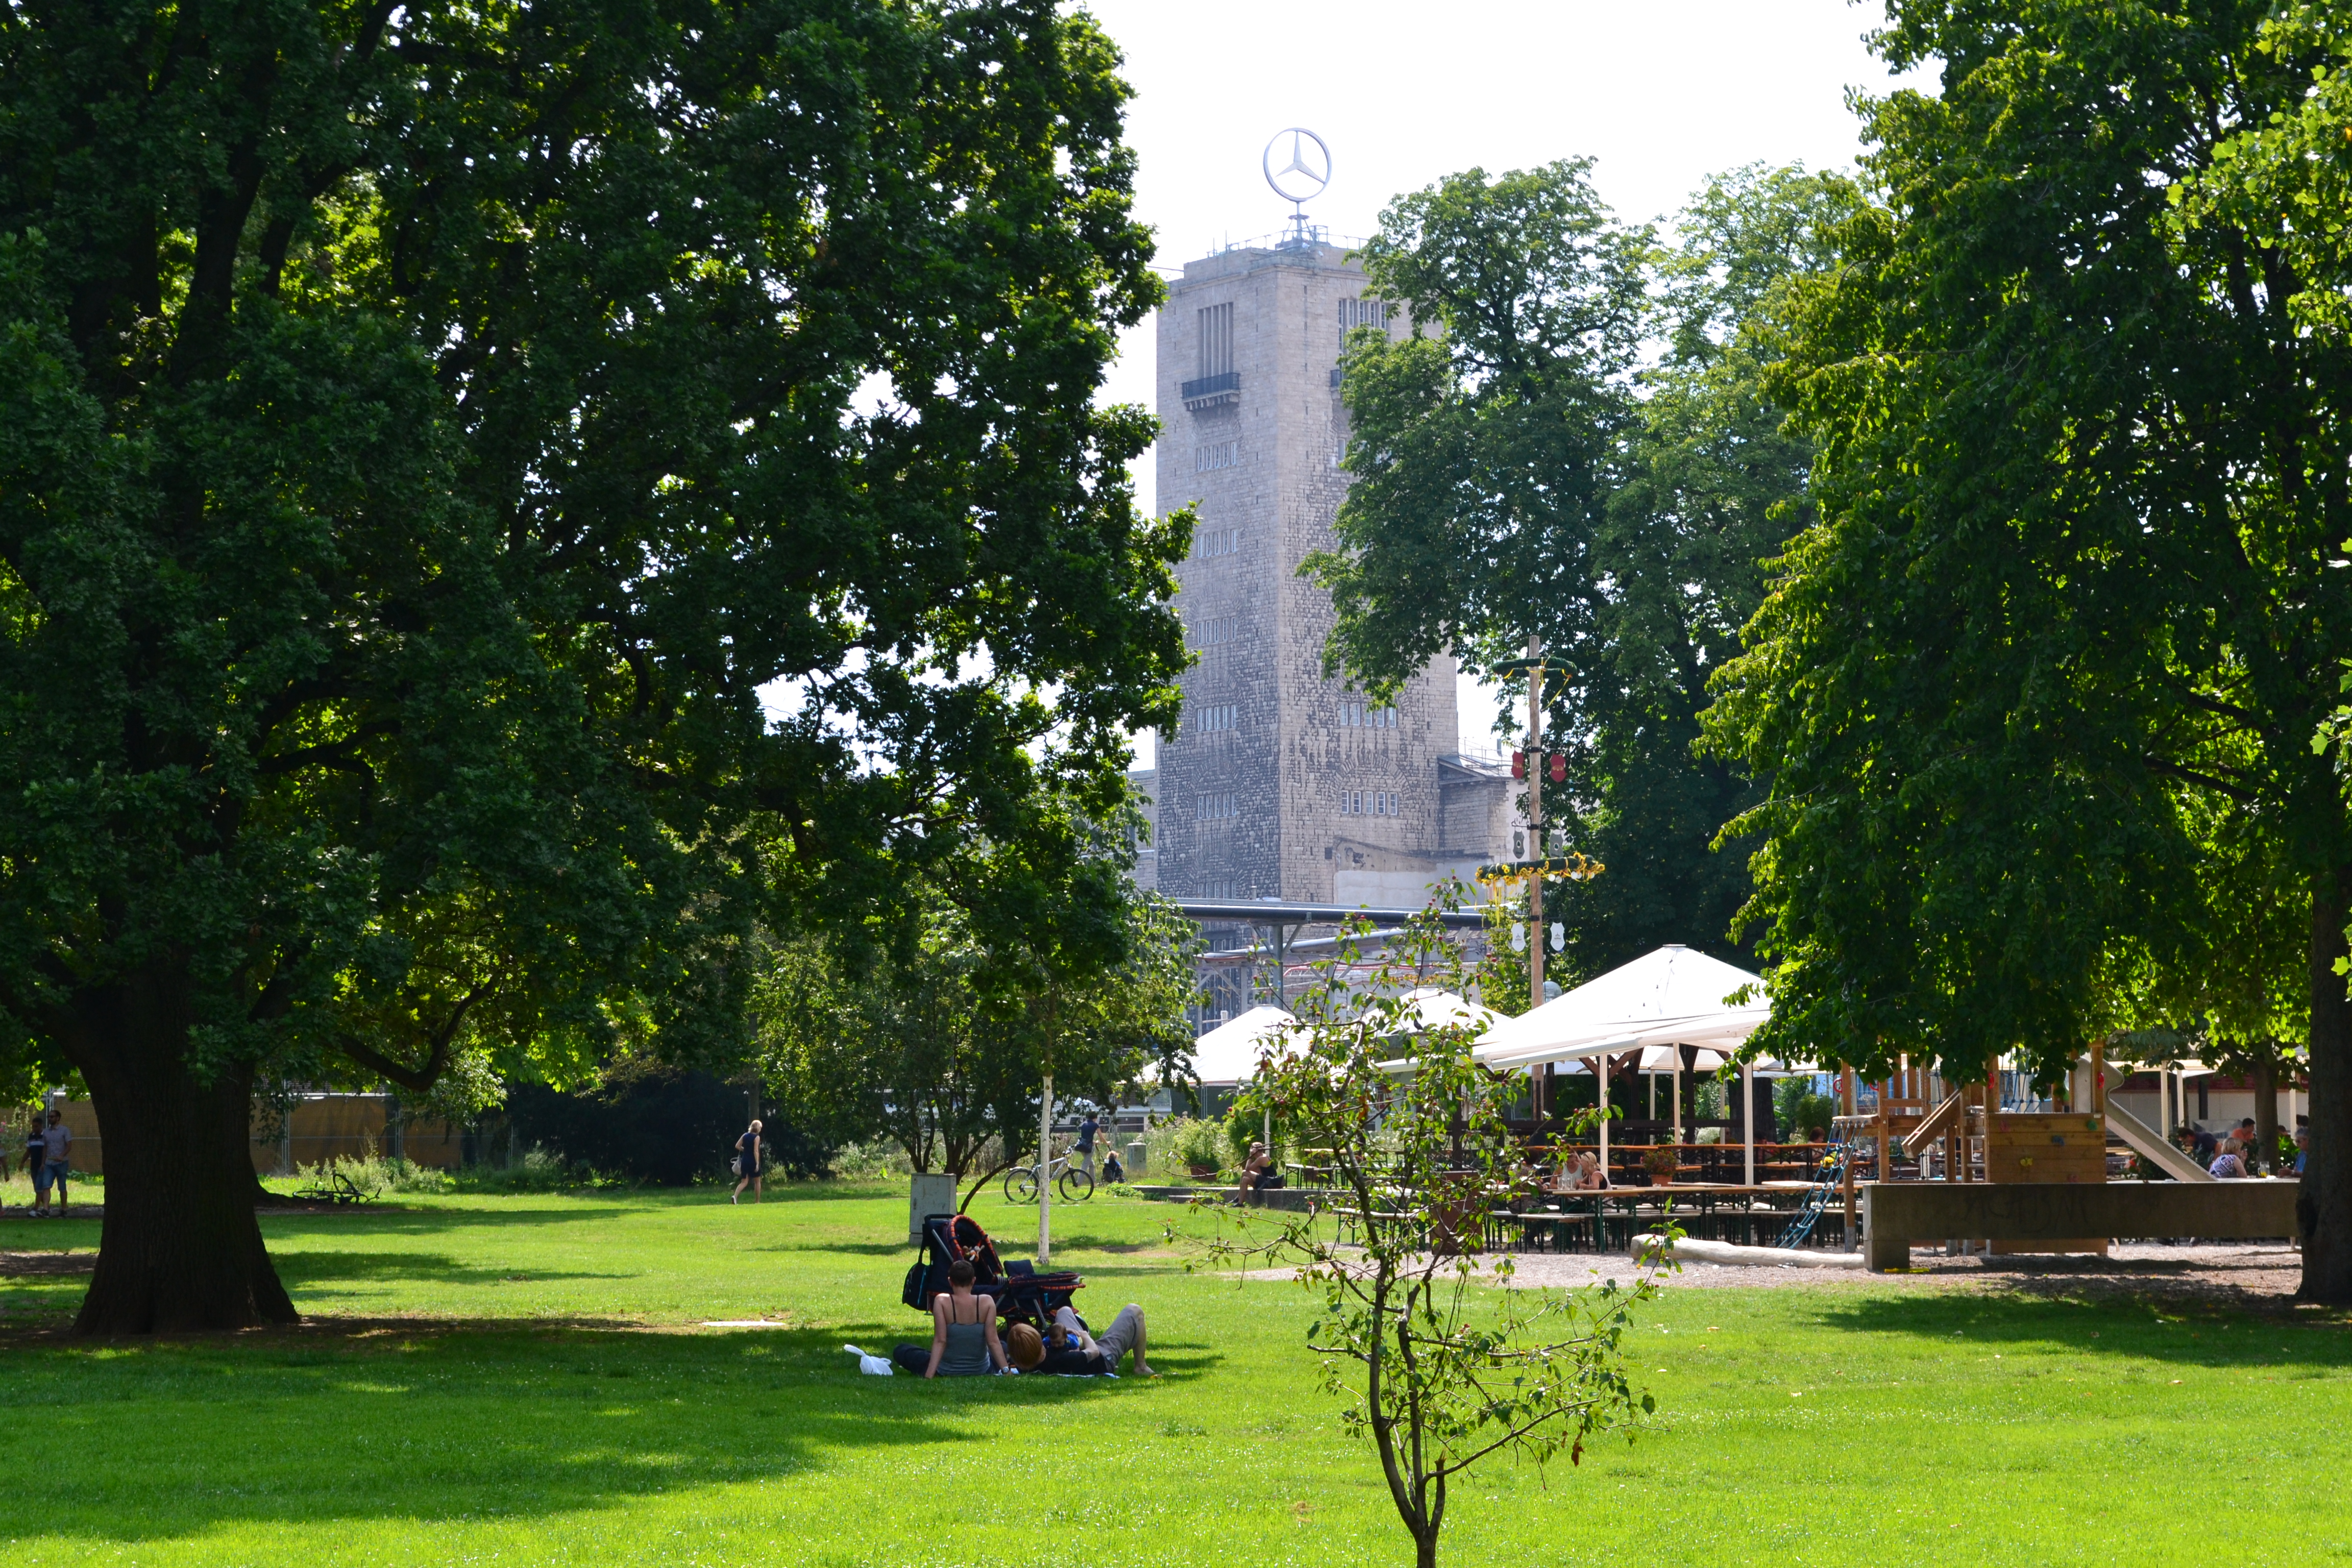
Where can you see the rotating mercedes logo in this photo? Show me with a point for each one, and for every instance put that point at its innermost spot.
(1308, 169)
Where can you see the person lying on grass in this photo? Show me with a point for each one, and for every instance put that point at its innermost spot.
(963, 1331)
(1067, 1349)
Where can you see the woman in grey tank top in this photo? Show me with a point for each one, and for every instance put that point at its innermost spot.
(963, 1331)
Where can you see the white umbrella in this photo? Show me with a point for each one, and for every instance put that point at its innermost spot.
(1230, 1052)
(1673, 996)
(1430, 1008)
(1663, 1000)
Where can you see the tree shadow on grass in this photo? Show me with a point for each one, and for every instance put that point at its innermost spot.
(853, 1248)
(372, 1420)
(2197, 1332)
(307, 1270)
(432, 1222)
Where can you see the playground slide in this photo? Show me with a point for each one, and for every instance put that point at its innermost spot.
(2152, 1146)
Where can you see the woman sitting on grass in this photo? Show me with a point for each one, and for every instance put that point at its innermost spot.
(963, 1331)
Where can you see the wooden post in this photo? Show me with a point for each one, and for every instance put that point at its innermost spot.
(1676, 1081)
(1845, 1106)
(1748, 1119)
(1601, 1065)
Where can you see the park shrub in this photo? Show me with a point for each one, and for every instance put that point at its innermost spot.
(536, 1171)
(650, 1121)
(374, 1175)
(1193, 1141)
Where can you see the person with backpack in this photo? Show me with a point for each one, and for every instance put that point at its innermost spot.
(746, 1163)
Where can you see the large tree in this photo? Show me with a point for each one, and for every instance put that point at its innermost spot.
(934, 1029)
(430, 438)
(2072, 609)
(1520, 472)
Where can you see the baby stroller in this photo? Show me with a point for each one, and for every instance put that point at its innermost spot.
(1030, 1297)
(946, 1237)
(1021, 1292)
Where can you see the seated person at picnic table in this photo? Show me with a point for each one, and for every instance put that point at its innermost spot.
(1581, 1173)
(963, 1331)
(2228, 1163)
(1257, 1173)
(1067, 1349)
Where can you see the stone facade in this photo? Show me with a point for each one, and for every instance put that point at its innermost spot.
(1281, 783)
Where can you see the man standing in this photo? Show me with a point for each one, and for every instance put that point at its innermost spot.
(746, 1163)
(56, 1156)
(1084, 1157)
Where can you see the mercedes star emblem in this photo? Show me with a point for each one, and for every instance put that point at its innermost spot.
(1307, 173)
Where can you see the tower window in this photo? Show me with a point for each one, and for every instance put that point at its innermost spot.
(1216, 454)
(1354, 313)
(1216, 542)
(1214, 807)
(1216, 326)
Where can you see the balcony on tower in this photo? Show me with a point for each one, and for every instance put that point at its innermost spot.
(1213, 391)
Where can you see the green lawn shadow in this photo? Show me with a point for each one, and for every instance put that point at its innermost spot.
(305, 1269)
(354, 1420)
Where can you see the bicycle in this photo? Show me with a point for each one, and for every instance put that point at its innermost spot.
(1073, 1183)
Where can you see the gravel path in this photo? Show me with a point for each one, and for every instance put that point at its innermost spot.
(2254, 1277)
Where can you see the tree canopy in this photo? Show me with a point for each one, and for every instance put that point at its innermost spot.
(432, 439)
(2035, 698)
(1574, 444)
(937, 1032)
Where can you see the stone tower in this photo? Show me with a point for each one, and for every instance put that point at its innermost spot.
(1280, 783)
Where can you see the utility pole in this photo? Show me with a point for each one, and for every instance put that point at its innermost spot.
(1535, 820)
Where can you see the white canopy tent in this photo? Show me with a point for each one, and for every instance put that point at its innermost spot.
(1660, 1002)
(1229, 1053)
(1430, 1008)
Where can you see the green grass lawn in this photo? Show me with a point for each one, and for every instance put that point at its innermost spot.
(523, 1380)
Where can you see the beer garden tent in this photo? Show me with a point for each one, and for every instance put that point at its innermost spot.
(1661, 1000)
(1430, 1008)
(1229, 1053)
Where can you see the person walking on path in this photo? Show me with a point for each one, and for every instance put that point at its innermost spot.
(57, 1158)
(746, 1163)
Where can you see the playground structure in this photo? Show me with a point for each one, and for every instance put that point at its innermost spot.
(1920, 1130)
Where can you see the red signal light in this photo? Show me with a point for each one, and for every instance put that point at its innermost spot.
(1518, 764)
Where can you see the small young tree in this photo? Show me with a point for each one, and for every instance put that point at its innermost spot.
(1441, 1362)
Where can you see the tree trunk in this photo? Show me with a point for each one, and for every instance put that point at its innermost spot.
(2266, 1122)
(179, 1249)
(2323, 1209)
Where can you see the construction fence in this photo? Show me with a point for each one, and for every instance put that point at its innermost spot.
(317, 1128)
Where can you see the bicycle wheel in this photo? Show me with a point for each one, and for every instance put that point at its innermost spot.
(1021, 1186)
(1075, 1186)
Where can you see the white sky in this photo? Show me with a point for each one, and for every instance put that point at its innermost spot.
(1661, 93)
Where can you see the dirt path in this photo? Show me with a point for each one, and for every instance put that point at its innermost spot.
(2260, 1277)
